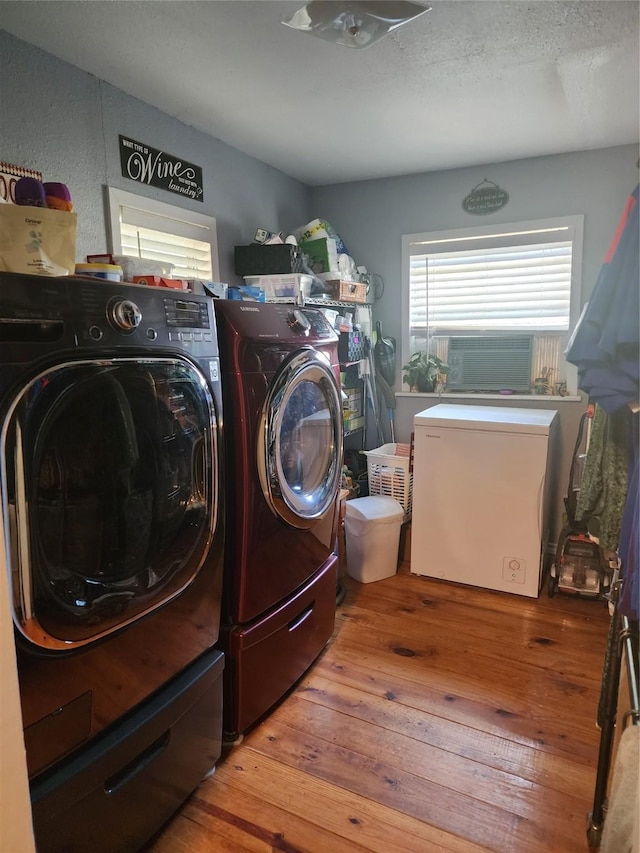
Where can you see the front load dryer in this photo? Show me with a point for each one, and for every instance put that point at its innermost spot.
(113, 519)
(281, 388)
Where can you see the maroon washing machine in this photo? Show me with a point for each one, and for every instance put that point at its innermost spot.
(283, 439)
(112, 513)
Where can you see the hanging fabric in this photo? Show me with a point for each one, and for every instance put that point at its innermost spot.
(605, 349)
(603, 490)
(604, 346)
(629, 548)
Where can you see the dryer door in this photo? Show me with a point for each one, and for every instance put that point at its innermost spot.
(300, 440)
(109, 491)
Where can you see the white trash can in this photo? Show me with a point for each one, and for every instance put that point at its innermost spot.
(372, 531)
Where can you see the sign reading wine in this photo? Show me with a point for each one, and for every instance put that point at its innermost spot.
(148, 165)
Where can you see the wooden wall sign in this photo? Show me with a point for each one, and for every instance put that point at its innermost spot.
(484, 198)
(156, 168)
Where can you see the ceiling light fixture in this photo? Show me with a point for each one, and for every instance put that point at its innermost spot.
(354, 24)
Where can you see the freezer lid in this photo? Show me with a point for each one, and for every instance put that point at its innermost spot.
(485, 418)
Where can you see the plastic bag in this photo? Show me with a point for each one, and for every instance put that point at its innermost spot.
(320, 228)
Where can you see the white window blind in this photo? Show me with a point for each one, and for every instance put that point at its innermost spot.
(190, 258)
(493, 282)
(496, 282)
(146, 228)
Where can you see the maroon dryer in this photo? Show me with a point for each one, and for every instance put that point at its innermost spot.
(281, 390)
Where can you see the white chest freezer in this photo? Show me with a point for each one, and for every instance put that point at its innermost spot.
(480, 495)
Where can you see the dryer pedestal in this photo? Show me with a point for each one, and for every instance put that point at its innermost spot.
(266, 657)
(116, 793)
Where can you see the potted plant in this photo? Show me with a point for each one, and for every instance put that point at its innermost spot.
(422, 370)
(542, 383)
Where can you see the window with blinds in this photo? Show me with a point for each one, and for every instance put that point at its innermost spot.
(512, 279)
(145, 228)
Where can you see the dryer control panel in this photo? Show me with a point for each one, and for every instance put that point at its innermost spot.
(270, 321)
(307, 322)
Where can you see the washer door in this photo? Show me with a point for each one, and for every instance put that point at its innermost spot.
(300, 440)
(109, 490)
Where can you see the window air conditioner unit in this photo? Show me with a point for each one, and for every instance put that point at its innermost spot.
(490, 363)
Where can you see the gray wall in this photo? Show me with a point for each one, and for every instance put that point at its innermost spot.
(372, 216)
(65, 123)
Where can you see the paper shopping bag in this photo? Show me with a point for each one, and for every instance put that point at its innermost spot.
(37, 240)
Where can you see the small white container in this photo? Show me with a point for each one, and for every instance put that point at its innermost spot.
(372, 531)
(108, 272)
(133, 266)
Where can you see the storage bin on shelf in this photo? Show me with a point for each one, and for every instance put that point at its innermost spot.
(346, 291)
(390, 473)
(286, 286)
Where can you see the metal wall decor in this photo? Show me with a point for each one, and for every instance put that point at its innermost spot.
(484, 198)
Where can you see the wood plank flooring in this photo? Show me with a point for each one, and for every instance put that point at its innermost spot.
(439, 718)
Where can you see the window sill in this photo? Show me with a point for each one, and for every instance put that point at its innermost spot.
(452, 395)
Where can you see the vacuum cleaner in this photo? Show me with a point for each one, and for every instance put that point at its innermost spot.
(580, 568)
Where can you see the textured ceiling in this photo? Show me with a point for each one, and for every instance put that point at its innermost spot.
(466, 83)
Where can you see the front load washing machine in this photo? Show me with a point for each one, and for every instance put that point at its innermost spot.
(113, 516)
(281, 388)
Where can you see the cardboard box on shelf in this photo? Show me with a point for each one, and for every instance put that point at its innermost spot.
(158, 281)
(322, 254)
(354, 400)
(354, 422)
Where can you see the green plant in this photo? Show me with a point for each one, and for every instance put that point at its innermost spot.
(542, 383)
(422, 370)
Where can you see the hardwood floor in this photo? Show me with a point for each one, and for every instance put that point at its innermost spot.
(439, 718)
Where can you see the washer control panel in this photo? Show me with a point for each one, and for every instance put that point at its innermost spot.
(123, 314)
(111, 314)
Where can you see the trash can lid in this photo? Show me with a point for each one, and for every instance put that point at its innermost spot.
(374, 507)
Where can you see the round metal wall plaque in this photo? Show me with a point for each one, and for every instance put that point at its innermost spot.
(486, 197)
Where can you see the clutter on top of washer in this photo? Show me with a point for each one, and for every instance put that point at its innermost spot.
(133, 266)
(39, 230)
(161, 281)
(216, 289)
(246, 293)
(57, 196)
(108, 272)
(30, 192)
